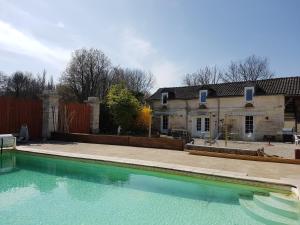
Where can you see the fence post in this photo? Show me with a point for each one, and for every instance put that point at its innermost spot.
(94, 103)
(50, 112)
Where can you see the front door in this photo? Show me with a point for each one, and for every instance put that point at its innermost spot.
(201, 126)
(164, 124)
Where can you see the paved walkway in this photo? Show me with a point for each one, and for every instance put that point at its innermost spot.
(180, 158)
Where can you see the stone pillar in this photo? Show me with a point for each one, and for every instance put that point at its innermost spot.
(95, 113)
(50, 112)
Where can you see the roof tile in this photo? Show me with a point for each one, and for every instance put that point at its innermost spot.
(277, 86)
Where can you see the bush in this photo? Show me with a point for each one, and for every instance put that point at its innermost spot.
(123, 106)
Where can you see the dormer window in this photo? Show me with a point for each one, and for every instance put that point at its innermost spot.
(164, 98)
(202, 96)
(249, 93)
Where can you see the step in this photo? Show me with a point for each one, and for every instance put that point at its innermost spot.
(264, 216)
(285, 199)
(277, 206)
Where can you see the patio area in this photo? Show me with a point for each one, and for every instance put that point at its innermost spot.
(234, 167)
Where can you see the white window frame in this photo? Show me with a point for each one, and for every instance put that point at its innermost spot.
(200, 93)
(162, 98)
(245, 93)
(199, 119)
(208, 123)
(202, 132)
(245, 121)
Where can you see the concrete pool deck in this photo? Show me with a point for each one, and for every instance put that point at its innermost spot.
(177, 160)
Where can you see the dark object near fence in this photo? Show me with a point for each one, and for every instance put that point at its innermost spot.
(269, 138)
(182, 134)
(23, 136)
(297, 153)
(288, 135)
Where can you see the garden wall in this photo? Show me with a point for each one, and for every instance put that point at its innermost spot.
(227, 150)
(164, 143)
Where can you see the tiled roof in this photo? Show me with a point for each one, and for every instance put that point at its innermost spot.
(289, 86)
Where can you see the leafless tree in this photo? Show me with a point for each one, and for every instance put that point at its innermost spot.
(251, 69)
(135, 80)
(50, 84)
(3, 83)
(19, 84)
(24, 84)
(86, 73)
(206, 75)
(66, 93)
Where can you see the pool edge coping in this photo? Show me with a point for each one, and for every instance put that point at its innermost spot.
(225, 176)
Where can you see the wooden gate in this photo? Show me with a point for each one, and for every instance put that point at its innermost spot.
(74, 118)
(17, 111)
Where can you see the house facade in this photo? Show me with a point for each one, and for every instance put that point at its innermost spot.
(241, 110)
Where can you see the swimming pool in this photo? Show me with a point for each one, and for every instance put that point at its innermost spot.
(44, 190)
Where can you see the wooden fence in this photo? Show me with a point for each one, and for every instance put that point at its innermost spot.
(74, 118)
(16, 111)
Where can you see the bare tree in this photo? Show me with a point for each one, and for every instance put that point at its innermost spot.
(206, 75)
(140, 81)
(3, 82)
(50, 84)
(135, 80)
(65, 93)
(19, 84)
(251, 69)
(24, 84)
(87, 70)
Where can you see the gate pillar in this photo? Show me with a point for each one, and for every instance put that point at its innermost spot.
(94, 103)
(50, 112)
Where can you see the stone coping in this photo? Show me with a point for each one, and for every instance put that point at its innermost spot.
(284, 186)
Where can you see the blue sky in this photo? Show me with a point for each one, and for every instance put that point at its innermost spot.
(167, 37)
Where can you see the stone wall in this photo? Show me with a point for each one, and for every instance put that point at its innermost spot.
(176, 109)
(268, 113)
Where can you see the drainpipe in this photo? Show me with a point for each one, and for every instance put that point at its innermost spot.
(218, 117)
(186, 115)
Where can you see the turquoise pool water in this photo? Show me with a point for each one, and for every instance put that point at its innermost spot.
(41, 190)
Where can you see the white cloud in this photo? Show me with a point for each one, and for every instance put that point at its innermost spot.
(137, 45)
(60, 24)
(15, 41)
(167, 73)
(136, 51)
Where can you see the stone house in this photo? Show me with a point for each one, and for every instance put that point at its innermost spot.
(243, 110)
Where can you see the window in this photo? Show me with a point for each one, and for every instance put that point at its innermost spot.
(165, 122)
(206, 124)
(249, 92)
(198, 124)
(202, 96)
(248, 124)
(164, 98)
